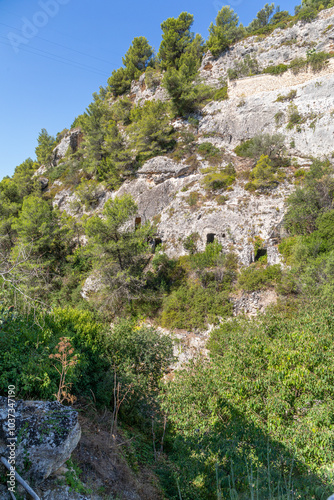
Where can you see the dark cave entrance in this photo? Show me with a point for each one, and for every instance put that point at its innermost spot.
(261, 252)
(137, 222)
(210, 238)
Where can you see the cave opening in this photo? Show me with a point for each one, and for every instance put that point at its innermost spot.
(137, 222)
(261, 252)
(210, 238)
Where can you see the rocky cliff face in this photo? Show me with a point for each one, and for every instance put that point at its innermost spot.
(280, 47)
(171, 193)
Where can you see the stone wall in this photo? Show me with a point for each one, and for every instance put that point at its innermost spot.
(245, 87)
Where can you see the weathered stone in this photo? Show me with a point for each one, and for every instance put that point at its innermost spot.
(40, 171)
(44, 182)
(253, 303)
(280, 47)
(161, 168)
(46, 432)
(71, 139)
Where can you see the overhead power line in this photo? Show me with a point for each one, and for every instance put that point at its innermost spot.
(61, 45)
(55, 57)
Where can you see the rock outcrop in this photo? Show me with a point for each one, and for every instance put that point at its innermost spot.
(280, 47)
(164, 190)
(46, 434)
(71, 139)
(172, 194)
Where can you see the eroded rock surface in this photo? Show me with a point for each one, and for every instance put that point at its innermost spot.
(46, 432)
(72, 139)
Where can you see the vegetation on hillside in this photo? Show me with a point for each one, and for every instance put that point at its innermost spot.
(253, 419)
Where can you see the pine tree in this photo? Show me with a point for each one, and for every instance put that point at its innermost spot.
(43, 151)
(175, 39)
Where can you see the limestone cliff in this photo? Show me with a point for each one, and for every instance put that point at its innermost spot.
(255, 105)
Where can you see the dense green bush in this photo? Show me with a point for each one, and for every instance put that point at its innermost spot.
(264, 403)
(202, 295)
(26, 345)
(218, 177)
(264, 144)
(192, 306)
(221, 94)
(313, 198)
(317, 60)
(210, 153)
(257, 276)
(276, 70)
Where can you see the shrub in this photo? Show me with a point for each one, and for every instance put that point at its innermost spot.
(288, 97)
(317, 60)
(263, 175)
(190, 243)
(211, 257)
(26, 361)
(210, 153)
(256, 277)
(264, 144)
(219, 178)
(307, 14)
(192, 306)
(297, 65)
(221, 94)
(246, 67)
(279, 118)
(294, 116)
(193, 198)
(276, 70)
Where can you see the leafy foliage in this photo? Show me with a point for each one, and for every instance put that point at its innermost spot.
(264, 144)
(225, 32)
(43, 151)
(176, 39)
(219, 177)
(136, 60)
(120, 254)
(151, 131)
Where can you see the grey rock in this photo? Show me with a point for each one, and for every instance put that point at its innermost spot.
(272, 49)
(71, 140)
(44, 182)
(46, 432)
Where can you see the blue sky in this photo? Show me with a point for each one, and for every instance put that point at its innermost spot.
(56, 53)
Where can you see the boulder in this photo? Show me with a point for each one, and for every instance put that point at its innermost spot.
(161, 168)
(46, 433)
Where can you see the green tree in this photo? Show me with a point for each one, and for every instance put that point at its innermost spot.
(151, 131)
(138, 57)
(36, 226)
(263, 17)
(119, 82)
(183, 87)
(225, 31)
(98, 115)
(121, 253)
(308, 202)
(176, 39)
(43, 151)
